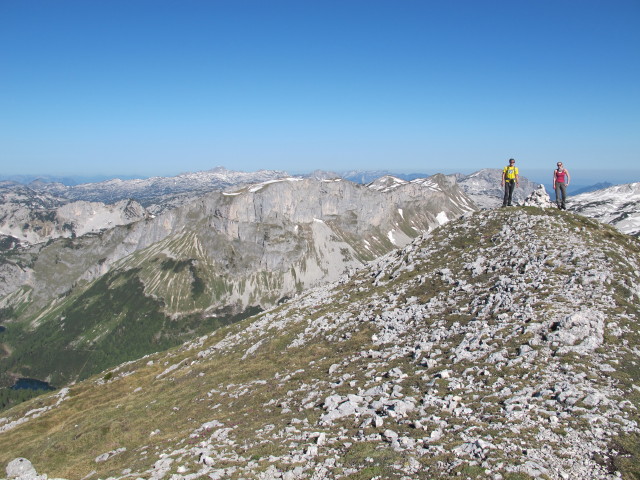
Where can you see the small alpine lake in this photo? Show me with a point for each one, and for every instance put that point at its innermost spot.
(31, 384)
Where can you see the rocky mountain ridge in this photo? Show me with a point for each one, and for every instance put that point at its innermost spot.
(22, 207)
(479, 350)
(42, 211)
(20, 204)
(197, 266)
(27, 224)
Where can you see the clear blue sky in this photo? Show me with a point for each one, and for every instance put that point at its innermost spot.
(161, 87)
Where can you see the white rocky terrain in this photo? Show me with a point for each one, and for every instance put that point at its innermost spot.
(479, 350)
(618, 205)
(18, 194)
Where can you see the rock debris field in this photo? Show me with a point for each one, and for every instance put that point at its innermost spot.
(503, 345)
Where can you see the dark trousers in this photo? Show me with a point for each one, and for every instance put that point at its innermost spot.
(561, 194)
(509, 185)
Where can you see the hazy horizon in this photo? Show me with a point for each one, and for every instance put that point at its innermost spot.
(580, 177)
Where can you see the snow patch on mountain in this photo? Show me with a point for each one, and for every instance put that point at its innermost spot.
(618, 205)
(386, 183)
(259, 186)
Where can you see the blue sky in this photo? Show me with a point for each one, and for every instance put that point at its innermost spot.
(162, 87)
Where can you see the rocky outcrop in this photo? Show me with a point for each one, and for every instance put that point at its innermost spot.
(22, 469)
(538, 198)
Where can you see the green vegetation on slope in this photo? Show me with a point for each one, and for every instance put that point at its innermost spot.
(111, 322)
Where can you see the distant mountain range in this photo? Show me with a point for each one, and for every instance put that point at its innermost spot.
(364, 177)
(590, 188)
(42, 211)
(69, 180)
(356, 176)
(156, 193)
(31, 216)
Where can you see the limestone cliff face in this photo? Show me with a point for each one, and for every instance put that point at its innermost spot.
(274, 239)
(250, 246)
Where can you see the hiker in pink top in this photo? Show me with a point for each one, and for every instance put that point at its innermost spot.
(560, 184)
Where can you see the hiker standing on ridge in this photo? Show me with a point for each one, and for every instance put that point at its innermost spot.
(510, 179)
(560, 184)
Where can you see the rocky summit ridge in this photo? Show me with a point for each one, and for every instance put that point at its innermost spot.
(502, 345)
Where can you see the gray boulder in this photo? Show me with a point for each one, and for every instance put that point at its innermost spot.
(22, 469)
